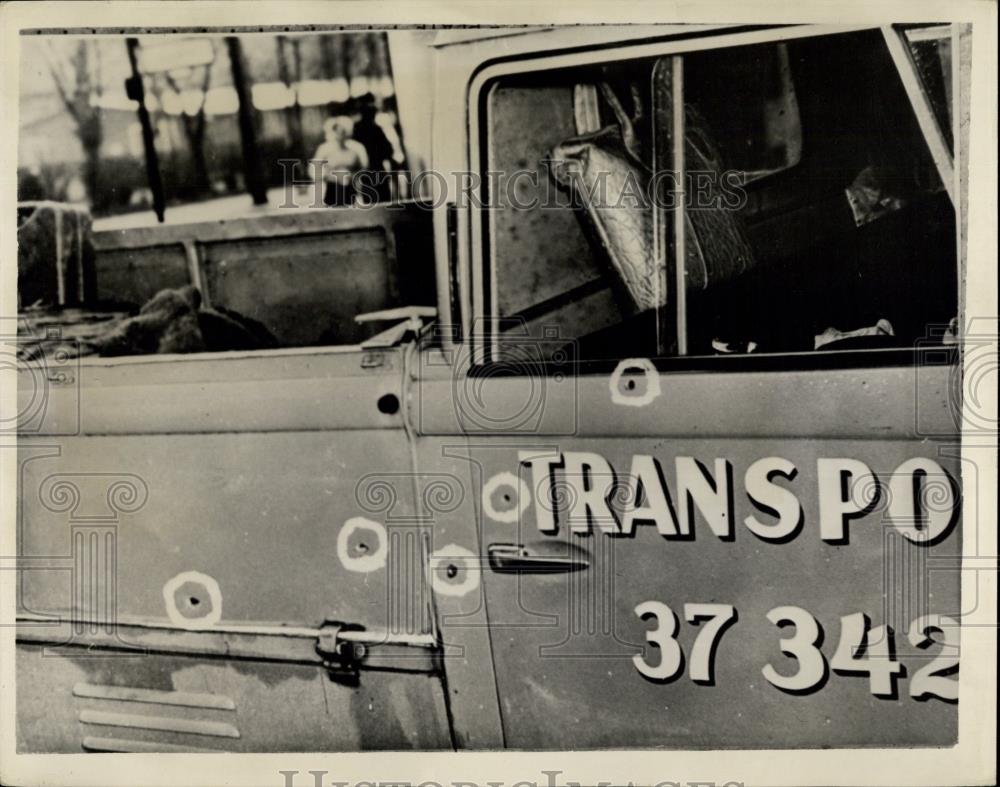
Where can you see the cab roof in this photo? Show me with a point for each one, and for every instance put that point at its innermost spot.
(581, 34)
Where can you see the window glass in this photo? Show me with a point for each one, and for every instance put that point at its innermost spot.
(930, 48)
(552, 271)
(814, 217)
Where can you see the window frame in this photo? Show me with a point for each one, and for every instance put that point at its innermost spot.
(902, 55)
(483, 344)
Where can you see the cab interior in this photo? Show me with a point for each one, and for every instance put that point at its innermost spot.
(846, 232)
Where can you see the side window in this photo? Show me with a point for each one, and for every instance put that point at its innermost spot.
(812, 216)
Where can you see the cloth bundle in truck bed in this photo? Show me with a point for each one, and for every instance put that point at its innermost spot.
(172, 321)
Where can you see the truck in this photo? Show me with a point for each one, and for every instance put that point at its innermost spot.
(647, 435)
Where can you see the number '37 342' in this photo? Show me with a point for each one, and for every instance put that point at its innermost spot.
(862, 650)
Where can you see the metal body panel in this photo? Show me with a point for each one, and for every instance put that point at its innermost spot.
(461, 614)
(563, 643)
(865, 403)
(377, 649)
(230, 506)
(245, 468)
(246, 497)
(264, 391)
(276, 707)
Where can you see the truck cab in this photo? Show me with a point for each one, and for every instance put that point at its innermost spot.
(670, 462)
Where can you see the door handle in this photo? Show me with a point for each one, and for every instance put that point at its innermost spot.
(522, 559)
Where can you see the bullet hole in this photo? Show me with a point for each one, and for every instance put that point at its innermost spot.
(454, 571)
(362, 545)
(388, 404)
(193, 600)
(635, 382)
(505, 497)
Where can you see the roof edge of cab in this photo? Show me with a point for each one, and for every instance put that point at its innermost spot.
(603, 33)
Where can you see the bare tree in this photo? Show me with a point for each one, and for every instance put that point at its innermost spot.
(77, 78)
(329, 57)
(247, 117)
(288, 76)
(195, 125)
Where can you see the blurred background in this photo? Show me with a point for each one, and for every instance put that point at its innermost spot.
(82, 138)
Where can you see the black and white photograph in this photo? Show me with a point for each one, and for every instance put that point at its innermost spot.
(617, 395)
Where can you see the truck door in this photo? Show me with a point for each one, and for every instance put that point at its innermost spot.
(710, 435)
(219, 552)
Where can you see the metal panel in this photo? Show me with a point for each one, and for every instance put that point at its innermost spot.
(306, 290)
(289, 223)
(257, 266)
(223, 493)
(378, 649)
(217, 729)
(135, 275)
(277, 390)
(563, 643)
(186, 698)
(279, 707)
(99, 744)
(859, 402)
(242, 509)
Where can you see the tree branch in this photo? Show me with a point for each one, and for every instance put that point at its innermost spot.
(60, 88)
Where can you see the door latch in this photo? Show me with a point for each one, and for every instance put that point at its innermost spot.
(341, 657)
(528, 560)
